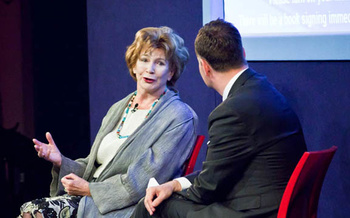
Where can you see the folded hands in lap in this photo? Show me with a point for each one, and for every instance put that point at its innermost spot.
(157, 194)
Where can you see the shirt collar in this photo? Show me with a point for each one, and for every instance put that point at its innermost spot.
(230, 84)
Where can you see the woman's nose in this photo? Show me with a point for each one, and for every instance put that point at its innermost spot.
(150, 68)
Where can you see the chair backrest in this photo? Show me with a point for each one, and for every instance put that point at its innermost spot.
(300, 198)
(191, 162)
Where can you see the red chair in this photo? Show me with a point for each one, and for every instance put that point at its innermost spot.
(191, 162)
(300, 198)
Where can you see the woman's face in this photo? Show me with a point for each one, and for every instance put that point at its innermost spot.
(152, 71)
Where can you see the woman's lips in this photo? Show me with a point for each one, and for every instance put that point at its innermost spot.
(148, 80)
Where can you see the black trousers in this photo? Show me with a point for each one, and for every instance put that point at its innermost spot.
(177, 206)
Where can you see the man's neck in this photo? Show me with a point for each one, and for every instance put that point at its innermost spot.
(223, 78)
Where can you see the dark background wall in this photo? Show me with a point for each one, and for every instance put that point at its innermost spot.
(43, 87)
(60, 74)
(62, 66)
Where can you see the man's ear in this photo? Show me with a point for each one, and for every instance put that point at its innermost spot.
(206, 66)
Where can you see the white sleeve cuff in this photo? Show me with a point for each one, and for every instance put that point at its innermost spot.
(152, 182)
(184, 182)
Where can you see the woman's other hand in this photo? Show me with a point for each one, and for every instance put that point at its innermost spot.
(48, 151)
(74, 185)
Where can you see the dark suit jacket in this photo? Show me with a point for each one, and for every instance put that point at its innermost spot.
(255, 141)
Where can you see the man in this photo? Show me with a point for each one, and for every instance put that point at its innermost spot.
(255, 140)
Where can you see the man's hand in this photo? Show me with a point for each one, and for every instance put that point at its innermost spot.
(74, 185)
(157, 194)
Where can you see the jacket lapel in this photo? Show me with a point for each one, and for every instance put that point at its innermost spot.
(241, 80)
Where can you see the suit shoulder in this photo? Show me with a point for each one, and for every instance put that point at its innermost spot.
(256, 97)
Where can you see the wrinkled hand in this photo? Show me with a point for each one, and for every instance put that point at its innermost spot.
(157, 194)
(49, 151)
(74, 185)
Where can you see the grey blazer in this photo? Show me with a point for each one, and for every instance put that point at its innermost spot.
(158, 148)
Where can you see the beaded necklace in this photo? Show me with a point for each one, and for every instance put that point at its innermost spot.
(127, 111)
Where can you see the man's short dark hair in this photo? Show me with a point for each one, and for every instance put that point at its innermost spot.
(220, 43)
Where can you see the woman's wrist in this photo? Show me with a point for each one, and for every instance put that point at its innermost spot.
(58, 163)
(88, 193)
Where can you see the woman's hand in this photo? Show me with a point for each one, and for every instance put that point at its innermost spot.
(74, 185)
(49, 151)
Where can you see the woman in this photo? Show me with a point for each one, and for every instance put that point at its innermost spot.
(148, 131)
